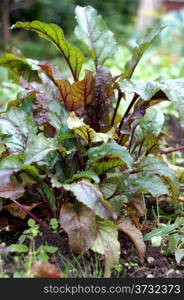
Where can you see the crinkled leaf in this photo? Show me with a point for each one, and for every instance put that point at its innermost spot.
(54, 34)
(16, 130)
(152, 123)
(125, 225)
(39, 148)
(78, 94)
(174, 90)
(86, 174)
(146, 182)
(159, 90)
(93, 32)
(80, 225)
(107, 244)
(88, 194)
(12, 162)
(156, 166)
(97, 113)
(110, 149)
(142, 46)
(103, 165)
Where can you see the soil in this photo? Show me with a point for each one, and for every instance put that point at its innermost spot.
(156, 264)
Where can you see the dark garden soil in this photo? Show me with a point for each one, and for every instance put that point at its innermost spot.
(156, 264)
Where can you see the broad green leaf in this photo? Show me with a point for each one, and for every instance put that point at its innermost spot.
(146, 183)
(88, 194)
(174, 90)
(110, 149)
(146, 90)
(16, 130)
(154, 165)
(19, 66)
(152, 123)
(39, 148)
(12, 162)
(159, 90)
(11, 190)
(80, 225)
(125, 225)
(142, 46)
(85, 174)
(107, 244)
(162, 231)
(54, 34)
(93, 32)
(102, 166)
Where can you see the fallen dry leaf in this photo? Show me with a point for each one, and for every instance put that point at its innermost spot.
(16, 211)
(43, 269)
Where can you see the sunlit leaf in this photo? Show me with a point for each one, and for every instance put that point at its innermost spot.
(80, 225)
(19, 65)
(87, 133)
(107, 244)
(54, 34)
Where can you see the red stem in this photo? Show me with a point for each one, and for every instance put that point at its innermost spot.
(173, 150)
(30, 213)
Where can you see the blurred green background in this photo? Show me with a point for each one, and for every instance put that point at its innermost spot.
(128, 19)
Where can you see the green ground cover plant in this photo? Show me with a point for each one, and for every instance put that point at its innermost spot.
(91, 144)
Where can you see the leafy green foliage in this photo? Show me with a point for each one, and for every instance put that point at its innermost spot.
(93, 32)
(92, 163)
(54, 34)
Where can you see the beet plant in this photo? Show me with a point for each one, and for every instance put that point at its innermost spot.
(92, 144)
